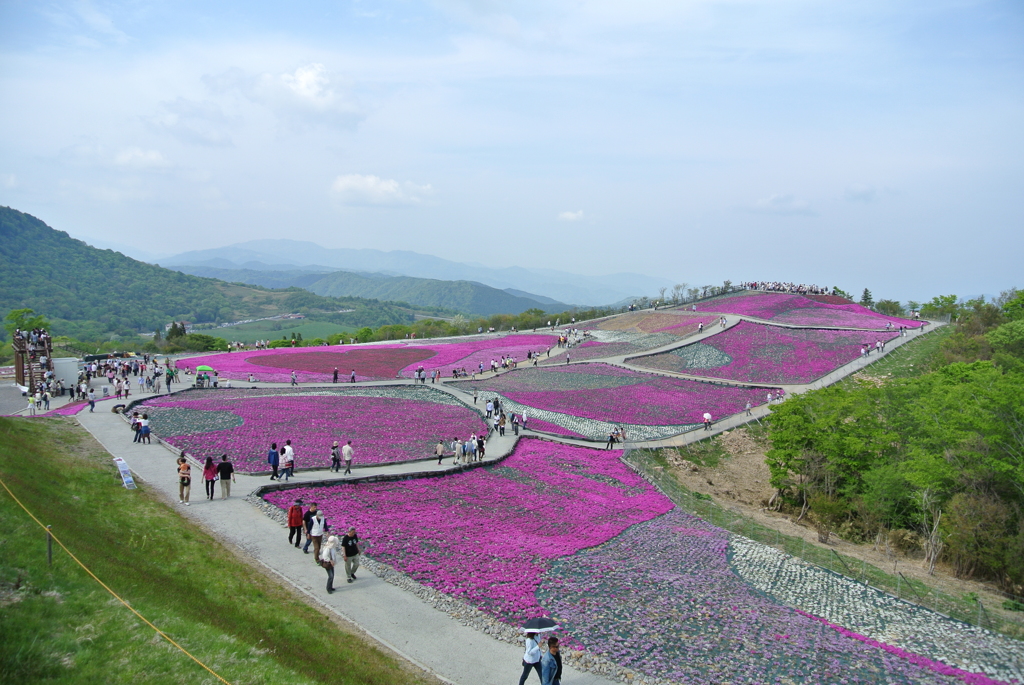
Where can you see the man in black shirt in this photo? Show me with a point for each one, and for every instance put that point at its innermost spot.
(350, 545)
(226, 473)
(307, 521)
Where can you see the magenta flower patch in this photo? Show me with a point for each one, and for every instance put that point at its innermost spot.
(759, 353)
(370, 362)
(488, 535)
(662, 599)
(802, 311)
(384, 424)
(617, 395)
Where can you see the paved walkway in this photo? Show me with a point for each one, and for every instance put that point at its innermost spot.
(424, 635)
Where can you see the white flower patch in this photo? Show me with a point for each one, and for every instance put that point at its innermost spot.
(875, 614)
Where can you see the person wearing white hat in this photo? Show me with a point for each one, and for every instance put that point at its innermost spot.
(328, 555)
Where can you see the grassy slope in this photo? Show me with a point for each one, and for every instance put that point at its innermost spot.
(58, 626)
(267, 330)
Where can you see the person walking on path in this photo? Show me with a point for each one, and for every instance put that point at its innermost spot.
(566, 357)
(474, 396)
(352, 376)
(288, 460)
(531, 658)
(748, 409)
(490, 408)
(335, 458)
(274, 459)
(295, 380)
(346, 453)
(317, 528)
(209, 477)
(551, 664)
(184, 479)
(144, 430)
(307, 523)
(481, 448)
(352, 549)
(295, 523)
(707, 421)
(92, 400)
(335, 379)
(439, 451)
(226, 473)
(502, 421)
(515, 425)
(328, 557)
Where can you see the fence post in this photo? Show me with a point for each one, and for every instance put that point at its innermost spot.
(899, 585)
(979, 612)
(49, 546)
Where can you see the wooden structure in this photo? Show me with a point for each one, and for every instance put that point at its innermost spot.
(31, 362)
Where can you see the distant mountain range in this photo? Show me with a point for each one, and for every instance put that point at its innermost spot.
(466, 297)
(548, 284)
(90, 293)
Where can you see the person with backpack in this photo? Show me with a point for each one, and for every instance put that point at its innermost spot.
(274, 459)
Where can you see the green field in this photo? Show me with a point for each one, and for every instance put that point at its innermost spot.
(58, 625)
(273, 330)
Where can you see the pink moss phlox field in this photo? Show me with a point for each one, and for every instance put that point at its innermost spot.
(370, 362)
(801, 311)
(73, 408)
(554, 429)
(382, 429)
(471, 354)
(760, 353)
(486, 536)
(608, 393)
(311, 364)
(916, 659)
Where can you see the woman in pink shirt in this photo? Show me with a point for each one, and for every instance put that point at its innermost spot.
(210, 476)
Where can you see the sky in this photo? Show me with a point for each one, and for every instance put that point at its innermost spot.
(866, 144)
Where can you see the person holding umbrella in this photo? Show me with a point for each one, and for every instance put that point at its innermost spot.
(531, 658)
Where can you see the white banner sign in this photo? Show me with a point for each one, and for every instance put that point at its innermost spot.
(126, 474)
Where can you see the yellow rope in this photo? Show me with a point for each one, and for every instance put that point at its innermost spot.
(116, 596)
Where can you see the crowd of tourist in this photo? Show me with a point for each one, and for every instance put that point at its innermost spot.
(786, 287)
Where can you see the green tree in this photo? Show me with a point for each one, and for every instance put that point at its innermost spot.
(1014, 305)
(842, 293)
(24, 319)
(1007, 342)
(941, 305)
(889, 308)
(866, 299)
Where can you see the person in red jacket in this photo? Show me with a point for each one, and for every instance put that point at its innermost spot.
(295, 522)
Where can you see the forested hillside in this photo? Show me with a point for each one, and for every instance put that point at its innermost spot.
(465, 297)
(86, 292)
(929, 459)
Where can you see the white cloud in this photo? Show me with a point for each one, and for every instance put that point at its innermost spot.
(309, 94)
(197, 123)
(360, 189)
(137, 158)
(570, 216)
(862, 194)
(783, 205)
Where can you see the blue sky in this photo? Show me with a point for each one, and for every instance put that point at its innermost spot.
(874, 144)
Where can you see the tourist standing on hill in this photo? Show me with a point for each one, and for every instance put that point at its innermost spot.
(226, 473)
(335, 458)
(531, 658)
(335, 380)
(350, 544)
(209, 477)
(184, 479)
(273, 458)
(328, 557)
(288, 460)
(346, 453)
